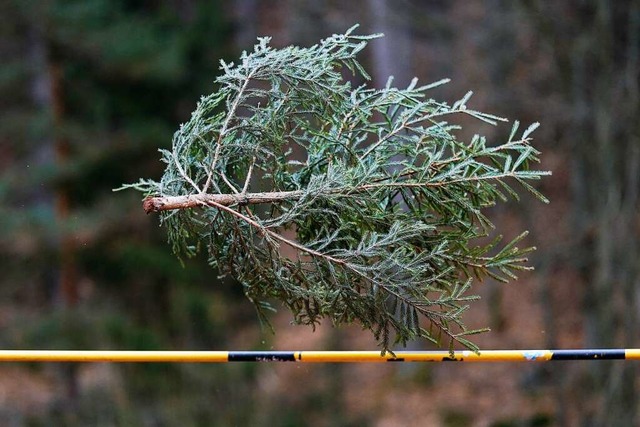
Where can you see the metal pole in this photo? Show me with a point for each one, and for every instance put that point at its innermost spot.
(315, 356)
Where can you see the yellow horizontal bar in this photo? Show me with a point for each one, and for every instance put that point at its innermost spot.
(425, 356)
(313, 356)
(111, 356)
(299, 356)
(632, 354)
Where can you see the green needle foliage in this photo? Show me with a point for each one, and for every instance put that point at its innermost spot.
(353, 204)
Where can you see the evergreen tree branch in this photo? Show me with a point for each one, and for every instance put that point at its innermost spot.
(382, 199)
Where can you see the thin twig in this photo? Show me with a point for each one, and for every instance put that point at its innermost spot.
(223, 131)
(182, 172)
(229, 184)
(246, 182)
(265, 231)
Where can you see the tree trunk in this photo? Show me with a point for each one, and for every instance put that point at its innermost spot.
(67, 247)
(392, 53)
(48, 94)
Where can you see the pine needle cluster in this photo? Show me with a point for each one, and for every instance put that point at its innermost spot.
(346, 203)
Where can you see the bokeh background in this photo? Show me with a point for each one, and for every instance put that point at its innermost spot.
(89, 90)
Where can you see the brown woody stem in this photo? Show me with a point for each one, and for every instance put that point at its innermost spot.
(157, 204)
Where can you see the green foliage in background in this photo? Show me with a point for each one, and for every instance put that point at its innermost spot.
(348, 203)
(127, 69)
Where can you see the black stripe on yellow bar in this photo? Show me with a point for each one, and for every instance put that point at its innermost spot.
(262, 356)
(588, 354)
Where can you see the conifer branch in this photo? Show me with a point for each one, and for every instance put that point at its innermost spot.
(383, 200)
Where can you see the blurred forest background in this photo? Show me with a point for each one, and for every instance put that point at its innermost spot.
(90, 89)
